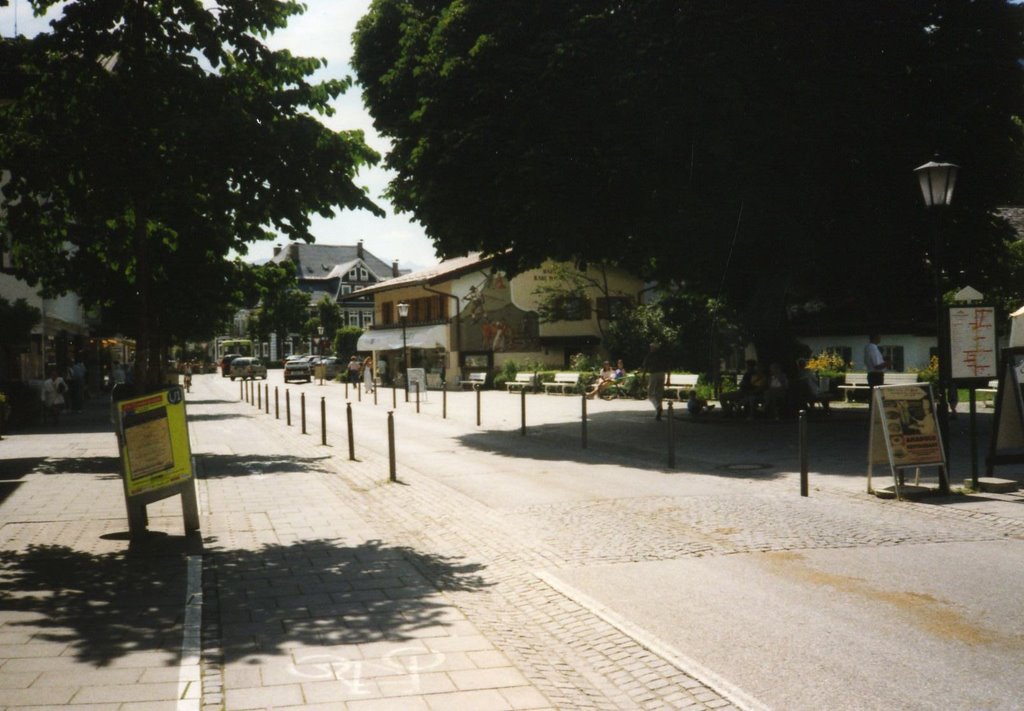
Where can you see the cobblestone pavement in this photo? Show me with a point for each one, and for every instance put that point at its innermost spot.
(573, 656)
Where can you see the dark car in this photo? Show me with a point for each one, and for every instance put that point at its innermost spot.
(225, 363)
(299, 369)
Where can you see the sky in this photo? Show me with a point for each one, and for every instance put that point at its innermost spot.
(325, 31)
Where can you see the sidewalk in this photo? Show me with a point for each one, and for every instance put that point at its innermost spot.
(321, 586)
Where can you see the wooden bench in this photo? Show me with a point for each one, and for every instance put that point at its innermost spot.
(859, 381)
(900, 378)
(679, 385)
(522, 382)
(564, 383)
(853, 382)
(475, 380)
(993, 390)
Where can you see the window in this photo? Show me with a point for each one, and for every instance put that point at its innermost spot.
(367, 319)
(571, 308)
(363, 276)
(353, 318)
(353, 274)
(612, 307)
(346, 289)
(387, 313)
(893, 354)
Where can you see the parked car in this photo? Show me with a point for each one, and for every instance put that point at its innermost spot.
(225, 363)
(299, 369)
(332, 367)
(248, 369)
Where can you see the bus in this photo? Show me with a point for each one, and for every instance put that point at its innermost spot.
(241, 346)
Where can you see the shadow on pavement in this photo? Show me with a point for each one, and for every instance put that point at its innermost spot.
(218, 466)
(318, 592)
(106, 607)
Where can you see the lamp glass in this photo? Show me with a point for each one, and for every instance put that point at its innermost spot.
(937, 182)
(403, 309)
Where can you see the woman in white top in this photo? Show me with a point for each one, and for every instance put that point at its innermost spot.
(54, 388)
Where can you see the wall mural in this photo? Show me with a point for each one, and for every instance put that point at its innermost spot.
(491, 322)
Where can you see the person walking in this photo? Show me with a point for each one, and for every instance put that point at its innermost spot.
(353, 370)
(656, 366)
(368, 374)
(875, 364)
(52, 395)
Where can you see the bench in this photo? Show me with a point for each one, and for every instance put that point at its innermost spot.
(993, 390)
(522, 382)
(859, 381)
(679, 385)
(564, 383)
(475, 380)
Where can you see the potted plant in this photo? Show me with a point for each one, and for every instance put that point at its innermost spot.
(830, 368)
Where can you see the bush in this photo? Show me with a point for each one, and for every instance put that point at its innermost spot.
(828, 364)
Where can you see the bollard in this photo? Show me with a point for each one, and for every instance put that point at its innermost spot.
(522, 408)
(277, 405)
(302, 411)
(477, 388)
(583, 421)
(417, 397)
(394, 396)
(671, 438)
(391, 445)
(375, 389)
(803, 452)
(266, 399)
(406, 388)
(346, 389)
(288, 407)
(241, 390)
(259, 397)
(351, 442)
(444, 401)
(359, 392)
(323, 422)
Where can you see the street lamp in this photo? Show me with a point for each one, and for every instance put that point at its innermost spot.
(320, 344)
(403, 313)
(937, 183)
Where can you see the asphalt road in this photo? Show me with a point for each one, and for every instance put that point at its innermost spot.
(838, 600)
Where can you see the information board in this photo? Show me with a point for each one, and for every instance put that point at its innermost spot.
(155, 450)
(417, 379)
(972, 336)
(904, 430)
(1007, 444)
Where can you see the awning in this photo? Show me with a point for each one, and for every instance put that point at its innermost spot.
(415, 337)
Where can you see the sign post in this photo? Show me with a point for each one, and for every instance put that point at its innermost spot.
(905, 433)
(156, 456)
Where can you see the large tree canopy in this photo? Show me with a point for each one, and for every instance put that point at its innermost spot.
(763, 153)
(147, 140)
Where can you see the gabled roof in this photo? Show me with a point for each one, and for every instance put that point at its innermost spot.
(445, 271)
(326, 261)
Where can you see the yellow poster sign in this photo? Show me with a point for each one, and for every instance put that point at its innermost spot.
(155, 450)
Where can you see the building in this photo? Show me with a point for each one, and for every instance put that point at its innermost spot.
(339, 272)
(465, 316)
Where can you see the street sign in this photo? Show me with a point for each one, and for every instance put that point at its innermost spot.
(904, 431)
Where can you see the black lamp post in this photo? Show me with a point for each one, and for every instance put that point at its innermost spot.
(320, 341)
(403, 313)
(937, 183)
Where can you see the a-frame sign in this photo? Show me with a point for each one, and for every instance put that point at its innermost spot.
(905, 433)
(1007, 442)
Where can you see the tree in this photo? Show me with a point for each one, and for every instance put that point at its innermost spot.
(759, 154)
(16, 322)
(149, 139)
(346, 340)
(282, 308)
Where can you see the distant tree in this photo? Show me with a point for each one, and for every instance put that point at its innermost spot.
(760, 153)
(346, 340)
(146, 140)
(16, 322)
(282, 309)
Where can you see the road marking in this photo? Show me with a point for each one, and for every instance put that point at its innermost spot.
(189, 674)
(730, 692)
